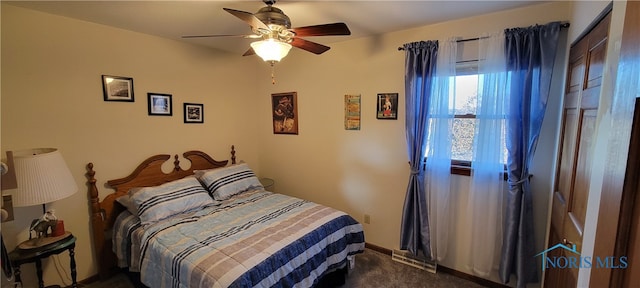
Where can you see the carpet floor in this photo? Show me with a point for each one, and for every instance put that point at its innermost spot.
(373, 270)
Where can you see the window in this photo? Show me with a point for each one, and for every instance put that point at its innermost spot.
(464, 104)
(464, 123)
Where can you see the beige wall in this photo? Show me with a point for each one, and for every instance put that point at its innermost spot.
(51, 96)
(366, 171)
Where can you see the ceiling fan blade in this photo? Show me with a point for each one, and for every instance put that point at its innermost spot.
(249, 52)
(253, 21)
(312, 47)
(221, 35)
(322, 30)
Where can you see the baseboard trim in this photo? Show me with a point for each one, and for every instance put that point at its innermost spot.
(88, 281)
(378, 248)
(444, 269)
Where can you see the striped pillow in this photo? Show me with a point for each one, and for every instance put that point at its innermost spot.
(225, 182)
(163, 201)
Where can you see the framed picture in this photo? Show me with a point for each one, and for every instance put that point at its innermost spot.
(160, 104)
(387, 106)
(352, 112)
(193, 113)
(116, 88)
(284, 107)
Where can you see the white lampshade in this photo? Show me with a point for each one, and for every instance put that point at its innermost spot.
(270, 49)
(42, 177)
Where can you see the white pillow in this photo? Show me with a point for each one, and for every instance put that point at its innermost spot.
(225, 182)
(163, 201)
(128, 203)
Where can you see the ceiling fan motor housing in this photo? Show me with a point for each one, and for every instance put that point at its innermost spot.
(278, 22)
(271, 15)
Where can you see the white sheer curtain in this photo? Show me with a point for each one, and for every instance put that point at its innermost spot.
(487, 181)
(438, 165)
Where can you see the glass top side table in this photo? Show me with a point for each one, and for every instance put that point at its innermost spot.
(22, 256)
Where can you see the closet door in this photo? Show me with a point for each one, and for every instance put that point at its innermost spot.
(569, 208)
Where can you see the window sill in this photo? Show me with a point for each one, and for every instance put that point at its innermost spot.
(458, 169)
(464, 168)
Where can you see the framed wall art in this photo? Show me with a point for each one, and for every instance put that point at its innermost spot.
(193, 113)
(284, 108)
(116, 88)
(160, 104)
(352, 112)
(387, 106)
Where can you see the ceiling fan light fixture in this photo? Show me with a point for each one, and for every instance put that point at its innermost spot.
(271, 50)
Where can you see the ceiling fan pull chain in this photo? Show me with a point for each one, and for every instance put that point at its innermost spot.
(273, 77)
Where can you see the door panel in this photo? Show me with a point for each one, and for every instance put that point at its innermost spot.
(597, 53)
(565, 175)
(578, 204)
(573, 175)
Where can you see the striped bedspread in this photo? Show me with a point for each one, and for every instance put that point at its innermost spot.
(127, 233)
(256, 239)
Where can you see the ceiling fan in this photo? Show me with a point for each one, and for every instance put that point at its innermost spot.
(273, 27)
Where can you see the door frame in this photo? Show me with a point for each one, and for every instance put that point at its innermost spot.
(621, 176)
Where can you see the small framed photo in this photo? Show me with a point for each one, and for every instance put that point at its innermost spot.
(193, 113)
(284, 109)
(387, 106)
(116, 88)
(160, 104)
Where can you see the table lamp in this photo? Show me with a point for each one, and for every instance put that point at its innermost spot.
(42, 177)
(8, 181)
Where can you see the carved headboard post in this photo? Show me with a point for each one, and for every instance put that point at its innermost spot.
(97, 220)
(233, 154)
(176, 163)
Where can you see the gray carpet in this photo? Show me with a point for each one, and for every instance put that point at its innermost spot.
(373, 269)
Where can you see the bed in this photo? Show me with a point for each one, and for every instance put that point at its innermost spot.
(214, 225)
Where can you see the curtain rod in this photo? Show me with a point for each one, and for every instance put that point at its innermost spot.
(562, 25)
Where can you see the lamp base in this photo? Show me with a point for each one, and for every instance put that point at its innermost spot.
(42, 241)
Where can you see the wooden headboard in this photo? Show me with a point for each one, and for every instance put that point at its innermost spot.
(148, 173)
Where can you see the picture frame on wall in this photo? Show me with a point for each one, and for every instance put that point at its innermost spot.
(387, 107)
(160, 104)
(193, 113)
(352, 112)
(117, 88)
(284, 108)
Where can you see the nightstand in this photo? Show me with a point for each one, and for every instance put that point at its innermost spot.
(22, 256)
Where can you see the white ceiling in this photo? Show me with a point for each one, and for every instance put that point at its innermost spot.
(173, 19)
